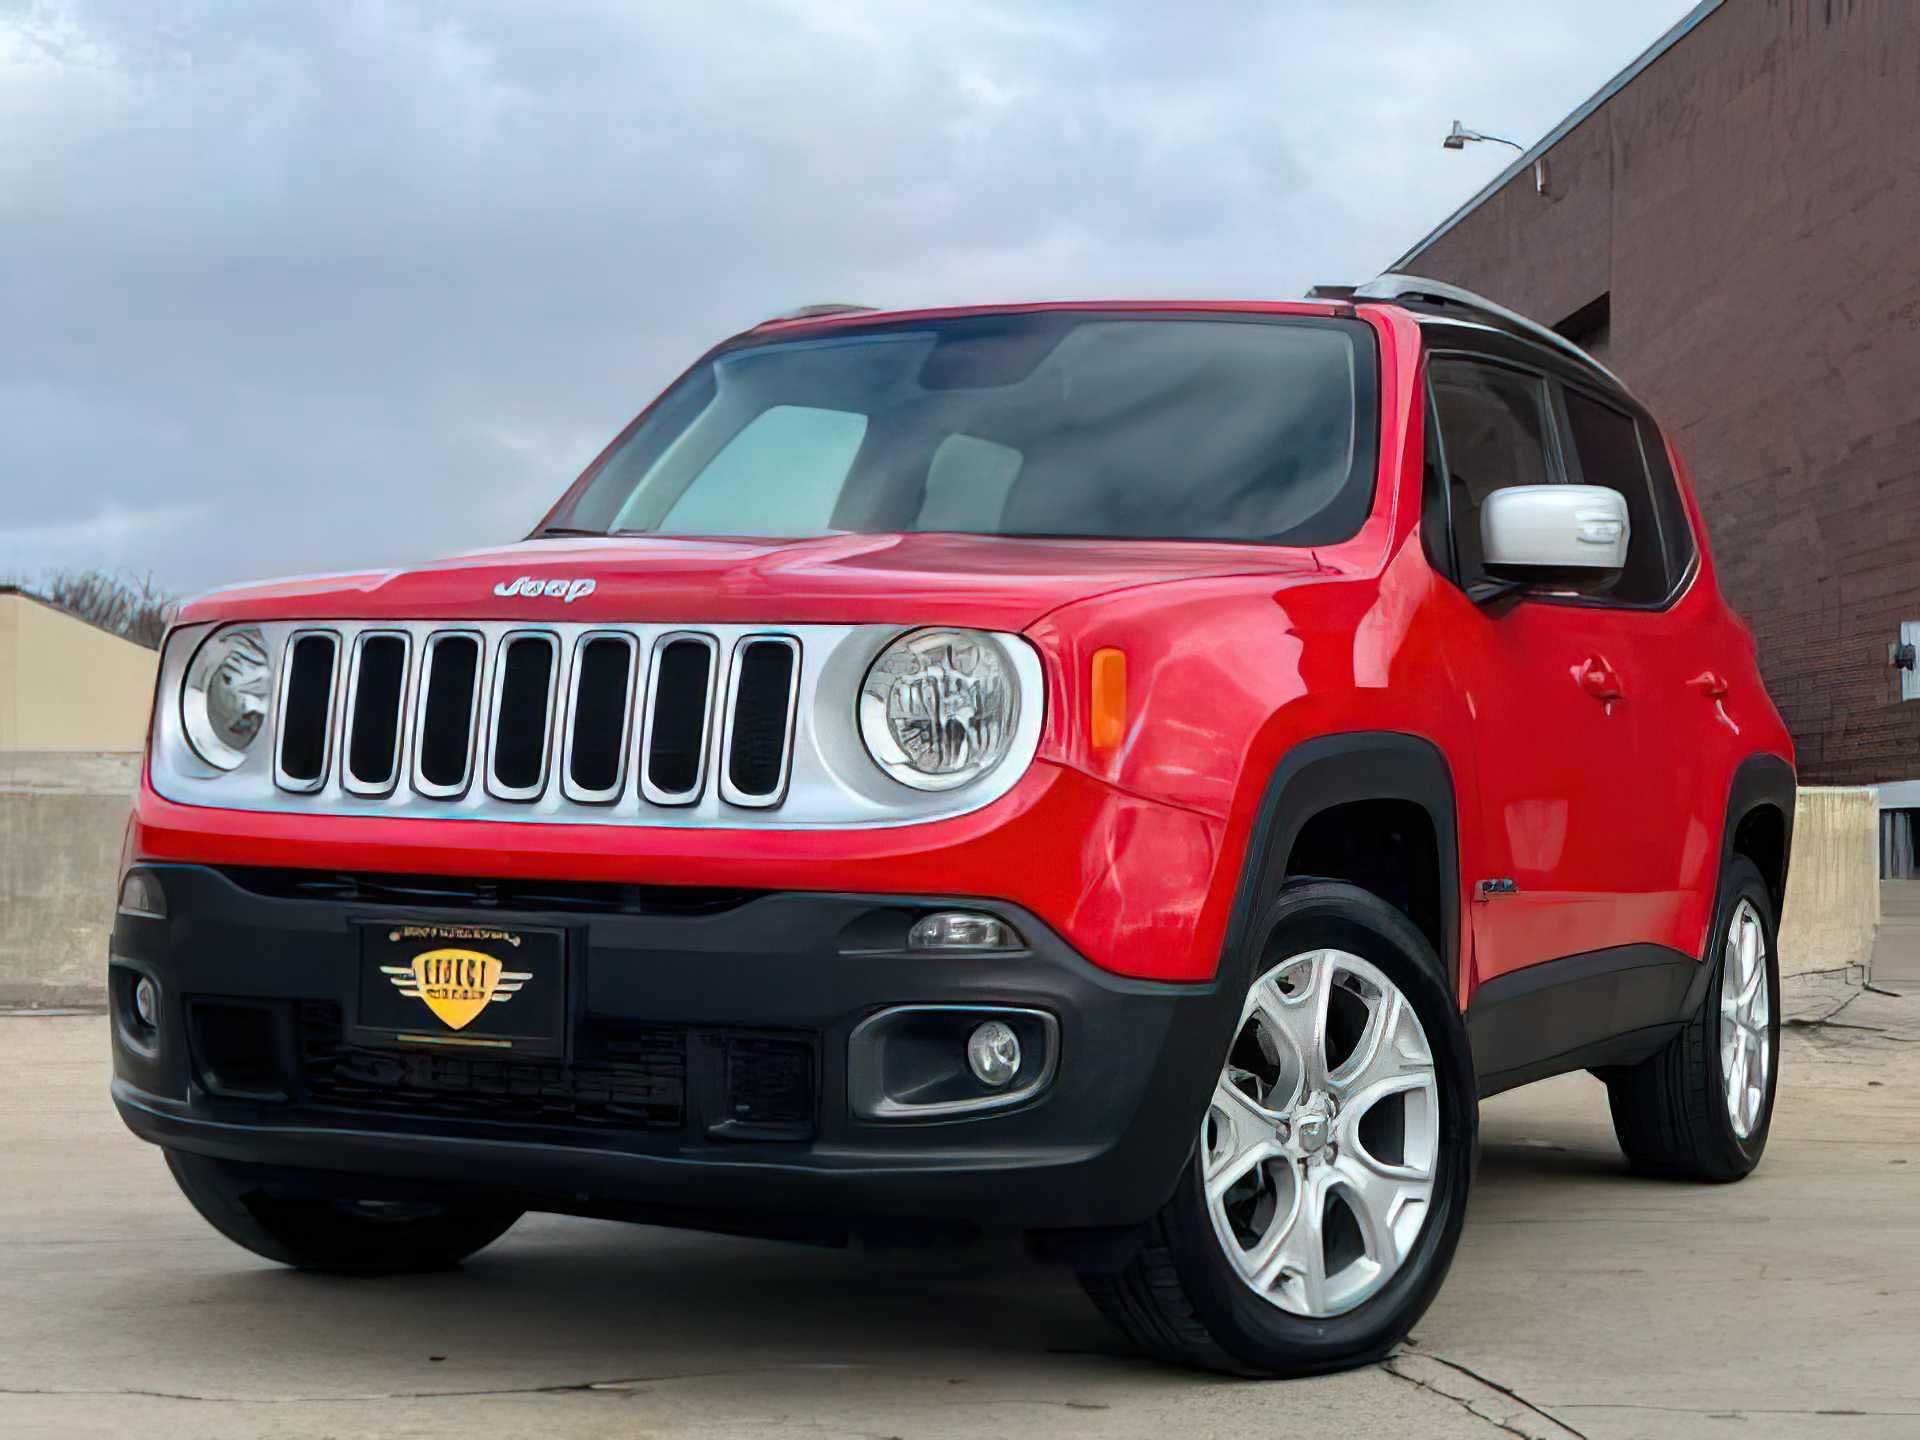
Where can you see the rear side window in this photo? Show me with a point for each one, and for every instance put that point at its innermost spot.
(1494, 433)
(1606, 443)
(1674, 526)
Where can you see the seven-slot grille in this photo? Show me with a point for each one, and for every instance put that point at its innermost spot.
(597, 718)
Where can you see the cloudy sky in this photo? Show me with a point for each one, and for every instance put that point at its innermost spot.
(291, 287)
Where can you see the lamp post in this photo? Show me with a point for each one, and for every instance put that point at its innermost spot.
(1459, 137)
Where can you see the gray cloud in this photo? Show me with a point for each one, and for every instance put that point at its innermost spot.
(290, 288)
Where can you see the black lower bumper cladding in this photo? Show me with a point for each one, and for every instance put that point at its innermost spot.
(704, 1057)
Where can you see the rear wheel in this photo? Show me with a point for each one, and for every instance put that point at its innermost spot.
(1701, 1108)
(315, 1229)
(1329, 1181)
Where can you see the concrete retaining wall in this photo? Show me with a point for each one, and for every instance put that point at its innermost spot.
(1832, 909)
(62, 819)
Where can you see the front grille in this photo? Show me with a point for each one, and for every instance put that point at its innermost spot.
(600, 716)
(635, 1079)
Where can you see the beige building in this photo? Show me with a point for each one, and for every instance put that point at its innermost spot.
(67, 685)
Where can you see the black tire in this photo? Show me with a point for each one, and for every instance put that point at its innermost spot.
(311, 1228)
(1670, 1111)
(1178, 1297)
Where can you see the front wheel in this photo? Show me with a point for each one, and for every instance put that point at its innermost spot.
(1329, 1180)
(314, 1229)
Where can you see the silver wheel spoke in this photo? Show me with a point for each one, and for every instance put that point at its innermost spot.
(1300, 1018)
(1243, 1136)
(1281, 1147)
(1390, 1050)
(1746, 1013)
(1296, 1260)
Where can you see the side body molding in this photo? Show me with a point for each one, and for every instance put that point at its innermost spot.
(1620, 1005)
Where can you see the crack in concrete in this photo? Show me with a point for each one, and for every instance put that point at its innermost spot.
(581, 1387)
(1742, 1412)
(1557, 1426)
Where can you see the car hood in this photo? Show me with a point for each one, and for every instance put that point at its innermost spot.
(993, 582)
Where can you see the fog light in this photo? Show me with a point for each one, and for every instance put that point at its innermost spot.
(961, 930)
(140, 894)
(146, 1002)
(993, 1053)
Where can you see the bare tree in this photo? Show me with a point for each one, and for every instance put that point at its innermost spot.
(133, 607)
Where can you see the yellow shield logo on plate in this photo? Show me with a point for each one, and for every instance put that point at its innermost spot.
(456, 984)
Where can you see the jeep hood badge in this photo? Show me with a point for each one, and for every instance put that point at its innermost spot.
(532, 585)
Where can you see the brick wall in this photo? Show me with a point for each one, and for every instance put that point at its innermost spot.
(1751, 203)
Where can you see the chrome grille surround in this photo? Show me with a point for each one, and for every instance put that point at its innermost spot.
(579, 794)
(649, 791)
(496, 687)
(350, 713)
(283, 681)
(827, 778)
(417, 705)
(730, 792)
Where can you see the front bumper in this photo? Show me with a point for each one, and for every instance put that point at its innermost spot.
(673, 987)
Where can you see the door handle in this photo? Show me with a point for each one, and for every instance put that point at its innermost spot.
(1598, 680)
(1709, 684)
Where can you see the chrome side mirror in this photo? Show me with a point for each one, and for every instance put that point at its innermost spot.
(1560, 537)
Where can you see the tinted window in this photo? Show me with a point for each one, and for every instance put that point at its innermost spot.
(1674, 526)
(1493, 433)
(1054, 423)
(1606, 442)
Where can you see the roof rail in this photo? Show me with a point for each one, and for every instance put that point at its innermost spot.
(1395, 286)
(814, 312)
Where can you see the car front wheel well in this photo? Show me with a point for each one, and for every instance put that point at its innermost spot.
(1384, 846)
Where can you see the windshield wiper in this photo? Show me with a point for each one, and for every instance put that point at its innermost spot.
(568, 530)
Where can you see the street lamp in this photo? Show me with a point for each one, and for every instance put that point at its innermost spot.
(1458, 137)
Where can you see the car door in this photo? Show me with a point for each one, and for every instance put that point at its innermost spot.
(1556, 863)
(1678, 643)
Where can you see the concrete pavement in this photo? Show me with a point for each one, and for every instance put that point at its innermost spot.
(1788, 1305)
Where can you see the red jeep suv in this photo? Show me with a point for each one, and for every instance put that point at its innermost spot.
(1133, 773)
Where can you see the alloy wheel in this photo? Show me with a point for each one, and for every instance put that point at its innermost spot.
(1746, 1031)
(1320, 1148)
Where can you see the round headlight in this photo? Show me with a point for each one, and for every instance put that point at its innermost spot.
(224, 703)
(937, 708)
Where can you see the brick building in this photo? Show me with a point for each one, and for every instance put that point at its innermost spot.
(1733, 224)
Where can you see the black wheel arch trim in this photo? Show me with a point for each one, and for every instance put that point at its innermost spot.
(1338, 769)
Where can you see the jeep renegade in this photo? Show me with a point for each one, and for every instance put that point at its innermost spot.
(1134, 773)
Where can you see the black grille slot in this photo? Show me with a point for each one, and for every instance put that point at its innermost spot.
(762, 709)
(522, 708)
(307, 711)
(446, 714)
(677, 728)
(603, 681)
(373, 729)
(633, 1078)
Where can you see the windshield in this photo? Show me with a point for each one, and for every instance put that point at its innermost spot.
(1054, 423)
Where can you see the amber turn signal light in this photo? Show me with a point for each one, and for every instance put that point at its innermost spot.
(1107, 717)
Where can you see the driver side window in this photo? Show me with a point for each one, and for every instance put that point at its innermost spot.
(1494, 433)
